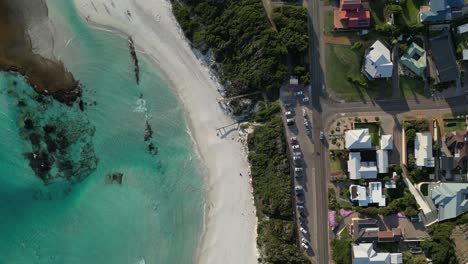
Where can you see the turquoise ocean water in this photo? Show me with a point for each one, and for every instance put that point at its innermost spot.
(154, 216)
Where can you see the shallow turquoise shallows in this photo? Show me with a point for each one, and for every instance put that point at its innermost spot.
(154, 216)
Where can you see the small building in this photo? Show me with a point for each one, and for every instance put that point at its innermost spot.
(351, 14)
(423, 150)
(441, 11)
(364, 253)
(382, 161)
(374, 195)
(465, 54)
(451, 199)
(414, 59)
(378, 61)
(360, 170)
(463, 28)
(386, 142)
(358, 139)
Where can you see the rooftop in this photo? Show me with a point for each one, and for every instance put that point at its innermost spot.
(442, 10)
(451, 199)
(382, 161)
(386, 142)
(378, 61)
(358, 139)
(364, 253)
(360, 170)
(414, 59)
(444, 58)
(423, 150)
(374, 195)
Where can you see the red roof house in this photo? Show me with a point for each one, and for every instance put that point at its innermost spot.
(351, 15)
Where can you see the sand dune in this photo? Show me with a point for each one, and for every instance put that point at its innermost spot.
(230, 224)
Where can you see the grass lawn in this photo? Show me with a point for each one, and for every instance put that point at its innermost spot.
(377, 12)
(343, 62)
(411, 11)
(337, 164)
(451, 125)
(373, 131)
(412, 87)
(345, 233)
(329, 22)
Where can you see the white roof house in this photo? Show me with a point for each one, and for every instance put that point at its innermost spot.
(372, 195)
(364, 253)
(463, 28)
(382, 161)
(423, 150)
(378, 61)
(358, 139)
(360, 170)
(386, 142)
(451, 199)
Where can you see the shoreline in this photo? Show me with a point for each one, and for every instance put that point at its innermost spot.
(226, 237)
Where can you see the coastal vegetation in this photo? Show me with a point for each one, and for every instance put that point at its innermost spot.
(272, 192)
(250, 52)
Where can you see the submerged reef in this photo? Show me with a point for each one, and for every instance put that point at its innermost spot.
(46, 76)
(131, 46)
(58, 138)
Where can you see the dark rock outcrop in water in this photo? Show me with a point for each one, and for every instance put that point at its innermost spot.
(46, 76)
(148, 131)
(131, 46)
(114, 177)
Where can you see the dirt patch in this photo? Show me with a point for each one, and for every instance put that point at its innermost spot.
(460, 242)
(337, 40)
(46, 76)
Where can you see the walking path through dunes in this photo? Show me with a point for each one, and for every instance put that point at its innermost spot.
(230, 223)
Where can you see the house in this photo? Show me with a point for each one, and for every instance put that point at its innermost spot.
(382, 161)
(386, 142)
(378, 62)
(364, 253)
(465, 54)
(444, 58)
(366, 230)
(441, 11)
(457, 143)
(423, 150)
(451, 199)
(358, 139)
(351, 14)
(414, 59)
(360, 170)
(374, 195)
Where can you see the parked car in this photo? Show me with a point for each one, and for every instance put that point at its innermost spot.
(295, 147)
(297, 175)
(299, 93)
(305, 99)
(305, 246)
(299, 188)
(305, 241)
(297, 169)
(304, 113)
(303, 230)
(296, 158)
(290, 121)
(300, 207)
(306, 122)
(299, 202)
(321, 135)
(287, 104)
(288, 113)
(294, 142)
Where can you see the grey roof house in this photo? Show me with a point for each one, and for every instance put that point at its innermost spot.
(444, 58)
(451, 199)
(440, 11)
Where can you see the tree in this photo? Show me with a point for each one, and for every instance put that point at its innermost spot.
(410, 136)
(411, 161)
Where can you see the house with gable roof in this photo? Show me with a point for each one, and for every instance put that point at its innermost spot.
(378, 62)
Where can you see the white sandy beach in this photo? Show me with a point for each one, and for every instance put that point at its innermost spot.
(230, 224)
